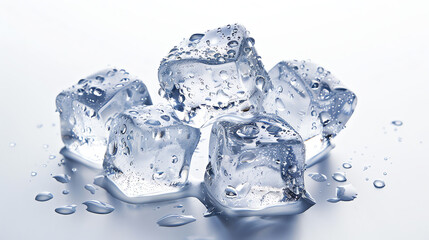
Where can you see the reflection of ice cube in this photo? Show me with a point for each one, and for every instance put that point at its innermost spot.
(214, 73)
(311, 100)
(86, 108)
(256, 163)
(149, 151)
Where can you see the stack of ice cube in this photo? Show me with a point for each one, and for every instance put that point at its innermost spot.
(262, 124)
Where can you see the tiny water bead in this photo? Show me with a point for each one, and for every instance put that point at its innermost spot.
(339, 177)
(66, 210)
(51, 157)
(347, 165)
(65, 191)
(90, 188)
(12, 144)
(175, 220)
(379, 184)
(397, 123)
(33, 174)
(44, 196)
(98, 207)
(74, 170)
(39, 125)
(45, 146)
(318, 177)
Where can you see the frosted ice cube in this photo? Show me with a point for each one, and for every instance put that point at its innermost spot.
(309, 98)
(256, 163)
(312, 101)
(87, 107)
(214, 73)
(149, 152)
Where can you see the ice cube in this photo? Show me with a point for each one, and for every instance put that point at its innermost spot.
(149, 152)
(214, 73)
(87, 107)
(256, 165)
(311, 100)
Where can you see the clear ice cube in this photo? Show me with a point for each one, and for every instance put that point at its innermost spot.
(312, 101)
(309, 98)
(256, 163)
(214, 73)
(87, 108)
(149, 152)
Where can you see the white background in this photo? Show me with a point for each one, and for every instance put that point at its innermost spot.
(379, 49)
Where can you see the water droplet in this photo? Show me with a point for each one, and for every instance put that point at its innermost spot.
(260, 82)
(90, 188)
(196, 37)
(44, 196)
(174, 159)
(320, 70)
(318, 177)
(165, 117)
(124, 129)
(74, 169)
(45, 146)
(379, 184)
(62, 178)
(65, 191)
(344, 193)
(52, 157)
(233, 43)
(247, 157)
(230, 192)
(279, 104)
(397, 123)
(66, 210)
(97, 92)
(339, 177)
(152, 122)
(347, 165)
(98, 207)
(248, 131)
(12, 144)
(175, 220)
(292, 169)
(33, 174)
(384, 173)
(223, 74)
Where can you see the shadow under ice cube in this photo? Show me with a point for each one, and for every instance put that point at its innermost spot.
(256, 167)
(87, 107)
(214, 73)
(149, 153)
(311, 100)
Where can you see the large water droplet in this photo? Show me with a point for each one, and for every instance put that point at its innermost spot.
(233, 43)
(344, 193)
(230, 192)
(279, 104)
(248, 131)
(66, 210)
(318, 177)
(152, 122)
(175, 220)
(347, 165)
(397, 123)
(339, 177)
(379, 184)
(196, 37)
(62, 178)
(44, 196)
(98, 207)
(90, 188)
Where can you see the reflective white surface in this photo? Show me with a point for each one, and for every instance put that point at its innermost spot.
(378, 49)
